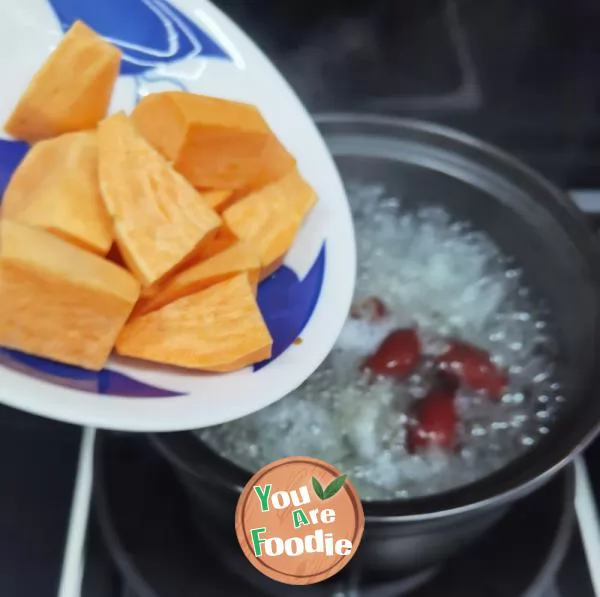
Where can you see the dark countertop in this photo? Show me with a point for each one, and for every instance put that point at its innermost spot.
(38, 460)
(520, 74)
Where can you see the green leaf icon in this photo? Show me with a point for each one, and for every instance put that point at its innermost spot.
(318, 489)
(331, 489)
(334, 487)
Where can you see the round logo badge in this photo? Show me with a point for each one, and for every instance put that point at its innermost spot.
(299, 520)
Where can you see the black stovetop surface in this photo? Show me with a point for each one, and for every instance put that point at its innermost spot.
(520, 74)
(38, 460)
(103, 578)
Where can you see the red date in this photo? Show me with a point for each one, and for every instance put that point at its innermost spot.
(436, 423)
(397, 356)
(473, 367)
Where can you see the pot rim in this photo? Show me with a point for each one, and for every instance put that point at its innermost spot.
(179, 450)
(519, 477)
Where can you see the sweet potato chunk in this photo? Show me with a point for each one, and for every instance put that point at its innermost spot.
(72, 89)
(270, 218)
(214, 143)
(159, 218)
(56, 188)
(275, 163)
(219, 329)
(224, 239)
(301, 197)
(240, 258)
(218, 200)
(59, 301)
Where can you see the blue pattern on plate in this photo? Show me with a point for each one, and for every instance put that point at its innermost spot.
(148, 32)
(106, 382)
(287, 303)
(11, 154)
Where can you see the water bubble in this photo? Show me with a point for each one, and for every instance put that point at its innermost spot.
(517, 420)
(540, 377)
(515, 398)
(478, 431)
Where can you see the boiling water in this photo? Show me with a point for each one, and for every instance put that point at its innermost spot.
(449, 281)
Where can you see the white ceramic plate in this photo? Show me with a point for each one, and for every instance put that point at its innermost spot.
(187, 44)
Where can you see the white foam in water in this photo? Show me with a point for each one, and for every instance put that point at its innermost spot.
(450, 281)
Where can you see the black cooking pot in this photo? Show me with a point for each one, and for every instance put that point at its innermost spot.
(530, 220)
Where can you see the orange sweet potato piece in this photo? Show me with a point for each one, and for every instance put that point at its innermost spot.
(159, 218)
(59, 301)
(275, 163)
(218, 329)
(218, 199)
(223, 240)
(300, 196)
(270, 228)
(72, 89)
(214, 143)
(56, 188)
(269, 219)
(237, 259)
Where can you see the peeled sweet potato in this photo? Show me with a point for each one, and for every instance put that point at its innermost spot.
(72, 89)
(274, 163)
(59, 301)
(269, 219)
(159, 218)
(214, 143)
(298, 194)
(237, 259)
(218, 199)
(224, 239)
(56, 188)
(218, 329)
